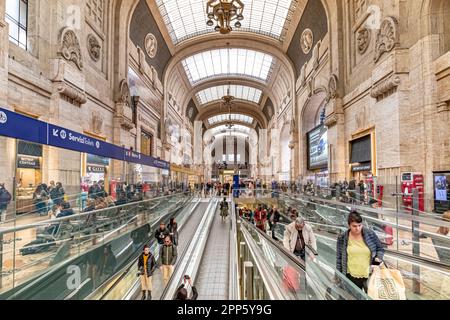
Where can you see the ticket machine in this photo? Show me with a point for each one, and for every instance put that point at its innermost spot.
(411, 181)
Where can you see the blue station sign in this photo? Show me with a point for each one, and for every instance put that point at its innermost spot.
(18, 126)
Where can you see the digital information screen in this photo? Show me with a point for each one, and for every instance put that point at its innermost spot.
(318, 148)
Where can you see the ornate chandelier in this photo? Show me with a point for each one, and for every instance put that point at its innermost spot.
(224, 12)
(228, 102)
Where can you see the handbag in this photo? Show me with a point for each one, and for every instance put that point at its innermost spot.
(386, 284)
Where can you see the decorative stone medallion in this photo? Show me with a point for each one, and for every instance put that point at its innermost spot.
(306, 41)
(151, 45)
(94, 47)
(363, 40)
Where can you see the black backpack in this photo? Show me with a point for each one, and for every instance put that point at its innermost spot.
(5, 196)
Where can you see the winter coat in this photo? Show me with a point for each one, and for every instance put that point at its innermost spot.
(5, 198)
(149, 267)
(168, 255)
(291, 235)
(370, 238)
(161, 235)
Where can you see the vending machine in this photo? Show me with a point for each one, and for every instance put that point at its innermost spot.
(411, 181)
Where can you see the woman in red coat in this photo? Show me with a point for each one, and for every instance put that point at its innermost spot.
(261, 218)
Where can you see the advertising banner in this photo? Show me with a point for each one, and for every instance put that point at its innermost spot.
(317, 148)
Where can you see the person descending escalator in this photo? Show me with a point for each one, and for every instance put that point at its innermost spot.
(173, 229)
(297, 236)
(224, 209)
(167, 259)
(146, 265)
(161, 234)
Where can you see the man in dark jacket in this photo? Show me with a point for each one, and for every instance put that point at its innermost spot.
(5, 199)
(147, 266)
(182, 293)
(273, 221)
(167, 258)
(161, 234)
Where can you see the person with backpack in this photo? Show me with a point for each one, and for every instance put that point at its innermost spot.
(146, 266)
(5, 199)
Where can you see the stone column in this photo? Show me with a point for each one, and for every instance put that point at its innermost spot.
(336, 140)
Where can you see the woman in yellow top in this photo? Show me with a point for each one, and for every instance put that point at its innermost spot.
(357, 249)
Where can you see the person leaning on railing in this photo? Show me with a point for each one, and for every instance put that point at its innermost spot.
(357, 249)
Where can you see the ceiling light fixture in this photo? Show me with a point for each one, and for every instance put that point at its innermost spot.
(224, 12)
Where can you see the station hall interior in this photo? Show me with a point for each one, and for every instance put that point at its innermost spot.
(225, 150)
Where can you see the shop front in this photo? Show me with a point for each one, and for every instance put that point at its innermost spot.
(28, 174)
(362, 157)
(184, 176)
(95, 169)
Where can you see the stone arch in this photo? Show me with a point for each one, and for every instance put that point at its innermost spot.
(123, 12)
(436, 21)
(199, 44)
(310, 118)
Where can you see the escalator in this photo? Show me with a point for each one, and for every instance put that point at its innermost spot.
(93, 248)
(425, 276)
(127, 285)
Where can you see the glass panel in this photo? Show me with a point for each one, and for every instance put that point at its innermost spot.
(240, 92)
(12, 9)
(186, 19)
(223, 62)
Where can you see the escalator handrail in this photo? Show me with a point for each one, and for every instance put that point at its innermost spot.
(80, 215)
(419, 260)
(233, 276)
(133, 263)
(390, 223)
(165, 294)
(434, 221)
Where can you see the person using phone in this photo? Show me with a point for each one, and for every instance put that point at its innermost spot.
(182, 292)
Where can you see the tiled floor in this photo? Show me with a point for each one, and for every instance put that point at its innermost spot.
(212, 281)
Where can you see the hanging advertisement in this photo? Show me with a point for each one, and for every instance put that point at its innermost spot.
(318, 148)
(441, 191)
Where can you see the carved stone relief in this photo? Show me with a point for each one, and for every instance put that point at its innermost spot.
(332, 87)
(306, 41)
(363, 38)
(124, 93)
(70, 47)
(387, 37)
(385, 86)
(97, 122)
(94, 47)
(151, 45)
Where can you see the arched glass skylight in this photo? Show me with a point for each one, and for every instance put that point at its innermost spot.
(237, 91)
(228, 62)
(234, 117)
(234, 129)
(187, 18)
